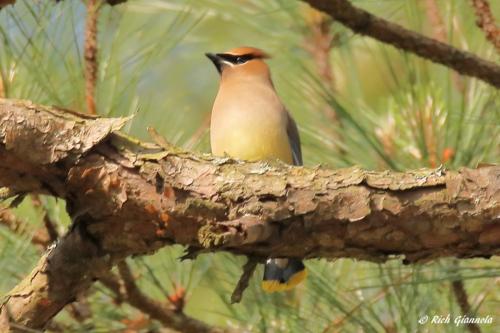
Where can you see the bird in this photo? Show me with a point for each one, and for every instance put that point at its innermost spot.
(250, 122)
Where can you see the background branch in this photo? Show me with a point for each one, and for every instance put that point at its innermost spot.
(158, 310)
(362, 22)
(462, 300)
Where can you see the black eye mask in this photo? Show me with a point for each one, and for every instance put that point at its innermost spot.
(236, 59)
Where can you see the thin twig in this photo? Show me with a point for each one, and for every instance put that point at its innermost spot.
(362, 22)
(160, 311)
(49, 224)
(463, 301)
(248, 270)
(458, 289)
(114, 284)
(90, 55)
(486, 22)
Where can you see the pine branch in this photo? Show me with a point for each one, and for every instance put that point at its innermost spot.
(132, 198)
(160, 311)
(364, 23)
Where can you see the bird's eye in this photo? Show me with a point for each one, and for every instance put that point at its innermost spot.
(240, 60)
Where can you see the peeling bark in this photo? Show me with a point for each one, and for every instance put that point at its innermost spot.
(129, 198)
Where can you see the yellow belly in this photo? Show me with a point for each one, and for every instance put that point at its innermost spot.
(251, 140)
(250, 125)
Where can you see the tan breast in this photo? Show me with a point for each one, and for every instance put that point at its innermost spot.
(249, 122)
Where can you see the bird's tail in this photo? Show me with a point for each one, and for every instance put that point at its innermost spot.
(282, 274)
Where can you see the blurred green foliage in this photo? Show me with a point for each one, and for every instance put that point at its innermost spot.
(394, 111)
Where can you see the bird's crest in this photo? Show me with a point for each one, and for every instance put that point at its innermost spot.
(254, 52)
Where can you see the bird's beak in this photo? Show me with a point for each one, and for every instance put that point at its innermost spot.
(217, 61)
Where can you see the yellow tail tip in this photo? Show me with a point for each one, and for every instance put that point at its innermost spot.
(271, 286)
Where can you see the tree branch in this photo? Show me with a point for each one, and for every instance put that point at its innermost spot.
(43, 237)
(362, 22)
(61, 274)
(131, 198)
(157, 310)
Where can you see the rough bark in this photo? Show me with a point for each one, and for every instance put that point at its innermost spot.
(130, 198)
(362, 22)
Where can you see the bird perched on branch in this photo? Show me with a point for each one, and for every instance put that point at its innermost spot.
(250, 122)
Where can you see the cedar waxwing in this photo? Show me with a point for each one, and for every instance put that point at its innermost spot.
(249, 122)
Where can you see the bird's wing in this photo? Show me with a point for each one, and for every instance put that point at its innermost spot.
(294, 139)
